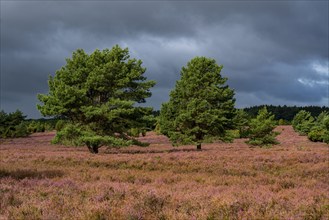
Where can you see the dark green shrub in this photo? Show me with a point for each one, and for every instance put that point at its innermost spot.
(316, 134)
(241, 122)
(261, 129)
(41, 127)
(303, 122)
(283, 122)
(12, 125)
(320, 130)
(69, 135)
(326, 137)
(16, 131)
(36, 126)
(229, 136)
(21, 130)
(326, 134)
(60, 125)
(49, 126)
(9, 132)
(134, 132)
(305, 127)
(157, 128)
(32, 127)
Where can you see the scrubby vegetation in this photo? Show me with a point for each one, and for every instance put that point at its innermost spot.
(13, 125)
(223, 181)
(241, 122)
(316, 129)
(303, 122)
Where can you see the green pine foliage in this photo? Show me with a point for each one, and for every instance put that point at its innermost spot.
(99, 91)
(60, 124)
(70, 134)
(283, 122)
(20, 130)
(241, 122)
(261, 129)
(94, 142)
(201, 106)
(320, 130)
(303, 122)
(36, 126)
(13, 125)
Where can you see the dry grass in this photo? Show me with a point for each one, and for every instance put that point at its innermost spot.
(223, 181)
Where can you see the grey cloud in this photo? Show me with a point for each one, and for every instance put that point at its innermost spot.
(267, 48)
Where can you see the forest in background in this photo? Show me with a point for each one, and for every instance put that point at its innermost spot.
(284, 112)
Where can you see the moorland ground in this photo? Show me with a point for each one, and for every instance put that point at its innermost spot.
(223, 181)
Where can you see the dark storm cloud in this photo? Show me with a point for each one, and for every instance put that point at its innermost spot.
(273, 52)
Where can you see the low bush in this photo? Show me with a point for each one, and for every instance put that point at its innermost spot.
(316, 130)
(316, 134)
(230, 135)
(320, 130)
(60, 124)
(303, 122)
(134, 132)
(283, 122)
(12, 125)
(241, 123)
(36, 126)
(21, 130)
(261, 129)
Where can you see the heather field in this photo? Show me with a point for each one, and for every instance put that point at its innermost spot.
(223, 181)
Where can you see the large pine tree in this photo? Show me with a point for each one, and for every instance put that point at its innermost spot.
(200, 106)
(98, 93)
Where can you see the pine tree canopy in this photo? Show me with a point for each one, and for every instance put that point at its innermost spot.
(200, 105)
(99, 90)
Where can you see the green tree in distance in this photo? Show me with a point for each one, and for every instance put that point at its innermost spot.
(320, 129)
(241, 122)
(201, 105)
(303, 122)
(97, 93)
(261, 129)
(13, 125)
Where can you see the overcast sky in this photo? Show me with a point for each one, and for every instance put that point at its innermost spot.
(273, 52)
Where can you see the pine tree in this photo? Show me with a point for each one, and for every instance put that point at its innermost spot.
(13, 125)
(97, 93)
(320, 129)
(241, 122)
(303, 122)
(261, 129)
(200, 106)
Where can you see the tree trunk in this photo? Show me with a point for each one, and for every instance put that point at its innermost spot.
(198, 146)
(93, 149)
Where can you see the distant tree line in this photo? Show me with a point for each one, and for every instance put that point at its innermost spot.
(286, 112)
